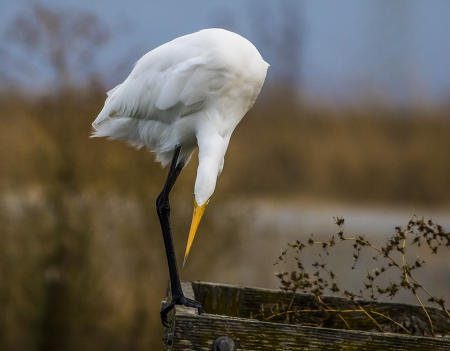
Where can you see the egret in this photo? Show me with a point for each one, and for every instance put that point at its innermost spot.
(187, 93)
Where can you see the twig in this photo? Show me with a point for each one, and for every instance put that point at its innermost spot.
(317, 284)
(405, 272)
(339, 315)
(371, 318)
(390, 319)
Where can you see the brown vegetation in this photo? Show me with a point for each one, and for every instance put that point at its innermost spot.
(369, 153)
(392, 260)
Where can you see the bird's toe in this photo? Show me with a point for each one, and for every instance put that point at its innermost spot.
(179, 300)
(164, 312)
(194, 304)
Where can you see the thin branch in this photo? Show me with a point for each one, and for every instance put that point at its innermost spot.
(405, 272)
(339, 315)
(371, 318)
(390, 319)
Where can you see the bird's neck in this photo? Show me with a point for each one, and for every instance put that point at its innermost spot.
(212, 148)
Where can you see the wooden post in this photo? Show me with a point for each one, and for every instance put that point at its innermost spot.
(227, 327)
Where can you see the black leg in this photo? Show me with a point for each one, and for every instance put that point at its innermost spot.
(163, 209)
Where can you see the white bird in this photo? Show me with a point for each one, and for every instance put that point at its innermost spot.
(187, 93)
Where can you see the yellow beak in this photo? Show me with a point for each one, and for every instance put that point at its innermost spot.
(197, 216)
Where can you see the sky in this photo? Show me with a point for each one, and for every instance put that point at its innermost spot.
(333, 50)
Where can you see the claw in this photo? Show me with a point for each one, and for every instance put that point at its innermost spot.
(164, 319)
(194, 304)
(179, 300)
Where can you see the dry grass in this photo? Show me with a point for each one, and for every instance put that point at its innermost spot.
(365, 154)
(81, 256)
(369, 155)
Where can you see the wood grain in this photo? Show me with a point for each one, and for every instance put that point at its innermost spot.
(228, 308)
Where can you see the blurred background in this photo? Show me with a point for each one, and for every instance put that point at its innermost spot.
(353, 121)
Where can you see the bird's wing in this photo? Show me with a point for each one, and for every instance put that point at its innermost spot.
(111, 92)
(166, 84)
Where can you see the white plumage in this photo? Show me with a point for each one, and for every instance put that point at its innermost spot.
(191, 91)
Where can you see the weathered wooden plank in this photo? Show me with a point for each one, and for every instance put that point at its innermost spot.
(224, 303)
(199, 333)
(245, 302)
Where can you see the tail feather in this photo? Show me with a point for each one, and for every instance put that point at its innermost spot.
(138, 133)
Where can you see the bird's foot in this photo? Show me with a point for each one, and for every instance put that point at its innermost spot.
(179, 300)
